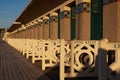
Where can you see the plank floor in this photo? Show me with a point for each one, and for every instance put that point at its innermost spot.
(14, 66)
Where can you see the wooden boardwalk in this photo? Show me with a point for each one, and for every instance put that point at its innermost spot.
(14, 66)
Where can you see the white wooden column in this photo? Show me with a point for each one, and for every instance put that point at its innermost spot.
(53, 26)
(26, 33)
(29, 31)
(36, 32)
(21, 36)
(40, 29)
(65, 23)
(118, 15)
(111, 18)
(45, 27)
(83, 19)
(17, 35)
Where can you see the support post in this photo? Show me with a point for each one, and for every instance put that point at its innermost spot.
(40, 29)
(54, 25)
(82, 19)
(45, 27)
(62, 71)
(65, 23)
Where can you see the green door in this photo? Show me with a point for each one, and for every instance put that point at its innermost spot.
(73, 22)
(96, 19)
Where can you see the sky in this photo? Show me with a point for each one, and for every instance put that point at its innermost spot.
(10, 10)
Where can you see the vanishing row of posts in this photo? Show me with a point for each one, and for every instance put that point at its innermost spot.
(79, 19)
(69, 22)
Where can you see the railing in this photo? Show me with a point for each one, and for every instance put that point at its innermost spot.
(75, 58)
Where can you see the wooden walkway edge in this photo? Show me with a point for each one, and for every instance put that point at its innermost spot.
(14, 66)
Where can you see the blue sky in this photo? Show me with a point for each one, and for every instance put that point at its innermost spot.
(10, 10)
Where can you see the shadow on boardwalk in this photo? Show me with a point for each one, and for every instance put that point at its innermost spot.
(109, 73)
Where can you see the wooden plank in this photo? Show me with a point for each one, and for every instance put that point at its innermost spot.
(14, 66)
(1, 62)
(20, 70)
(22, 63)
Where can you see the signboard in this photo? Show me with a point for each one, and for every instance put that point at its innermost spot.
(85, 42)
(113, 46)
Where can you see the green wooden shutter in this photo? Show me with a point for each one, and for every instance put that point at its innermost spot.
(96, 19)
(73, 22)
